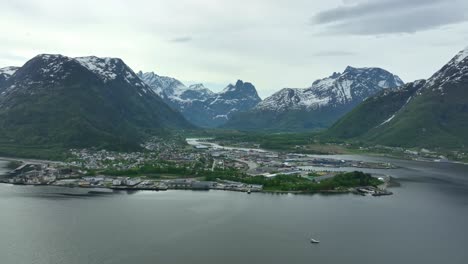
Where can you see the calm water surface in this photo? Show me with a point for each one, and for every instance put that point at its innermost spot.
(424, 222)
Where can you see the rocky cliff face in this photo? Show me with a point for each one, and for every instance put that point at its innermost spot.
(200, 105)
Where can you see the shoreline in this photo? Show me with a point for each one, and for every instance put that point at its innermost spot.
(33, 161)
(353, 190)
(376, 154)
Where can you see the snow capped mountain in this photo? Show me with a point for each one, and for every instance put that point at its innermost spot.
(238, 97)
(6, 73)
(199, 104)
(162, 85)
(109, 69)
(196, 92)
(354, 84)
(455, 71)
(318, 106)
(461, 56)
(292, 99)
(50, 69)
(241, 95)
(85, 101)
(430, 114)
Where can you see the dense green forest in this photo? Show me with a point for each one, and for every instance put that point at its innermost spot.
(301, 184)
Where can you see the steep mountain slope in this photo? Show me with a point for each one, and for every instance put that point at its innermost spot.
(241, 96)
(198, 104)
(434, 112)
(317, 106)
(81, 102)
(374, 111)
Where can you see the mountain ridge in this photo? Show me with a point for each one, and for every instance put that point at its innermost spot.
(85, 101)
(433, 112)
(317, 106)
(200, 105)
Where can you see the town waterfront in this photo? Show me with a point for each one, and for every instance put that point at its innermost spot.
(424, 222)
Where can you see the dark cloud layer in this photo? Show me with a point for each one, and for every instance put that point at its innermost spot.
(376, 17)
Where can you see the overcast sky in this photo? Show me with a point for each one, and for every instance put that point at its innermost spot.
(271, 43)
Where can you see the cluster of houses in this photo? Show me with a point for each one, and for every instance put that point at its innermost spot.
(39, 174)
(104, 159)
(45, 174)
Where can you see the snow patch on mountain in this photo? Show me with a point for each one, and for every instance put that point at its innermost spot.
(415, 84)
(354, 84)
(8, 71)
(49, 69)
(163, 86)
(388, 120)
(462, 55)
(110, 69)
(104, 67)
(199, 104)
(455, 71)
(292, 99)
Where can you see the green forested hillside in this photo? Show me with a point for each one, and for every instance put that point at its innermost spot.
(432, 113)
(54, 101)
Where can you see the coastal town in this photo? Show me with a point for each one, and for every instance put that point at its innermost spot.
(177, 165)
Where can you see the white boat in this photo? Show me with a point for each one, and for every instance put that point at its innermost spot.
(313, 241)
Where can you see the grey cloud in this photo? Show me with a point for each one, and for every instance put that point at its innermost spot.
(17, 59)
(182, 39)
(334, 53)
(391, 16)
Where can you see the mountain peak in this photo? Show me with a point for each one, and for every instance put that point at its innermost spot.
(50, 59)
(455, 71)
(52, 69)
(47, 56)
(323, 102)
(461, 56)
(67, 101)
(335, 75)
(241, 87)
(349, 69)
(103, 67)
(147, 74)
(426, 114)
(197, 86)
(357, 70)
(162, 85)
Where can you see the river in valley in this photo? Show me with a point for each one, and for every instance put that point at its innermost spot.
(423, 222)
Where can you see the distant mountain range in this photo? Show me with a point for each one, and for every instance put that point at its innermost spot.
(318, 106)
(429, 113)
(86, 101)
(198, 104)
(90, 101)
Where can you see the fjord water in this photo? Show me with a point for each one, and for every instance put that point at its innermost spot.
(423, 222)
